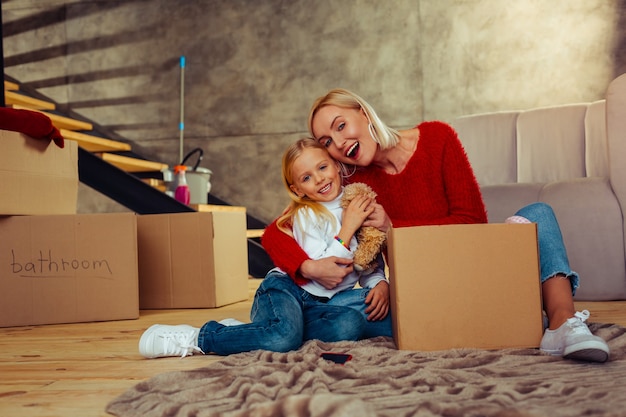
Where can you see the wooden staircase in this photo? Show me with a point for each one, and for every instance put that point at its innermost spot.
(81, 132)
(94, 147)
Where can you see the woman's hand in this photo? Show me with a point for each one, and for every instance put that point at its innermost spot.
(378, 218)
(328, 272)
(378, 301)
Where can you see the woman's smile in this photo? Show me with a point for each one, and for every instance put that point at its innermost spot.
(353, 150)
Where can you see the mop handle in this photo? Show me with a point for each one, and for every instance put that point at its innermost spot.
(181, 125)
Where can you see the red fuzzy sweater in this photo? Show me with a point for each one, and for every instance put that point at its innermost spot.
(437, 186)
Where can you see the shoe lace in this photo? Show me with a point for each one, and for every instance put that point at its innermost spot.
(577, 323)
(180, 343)
(582, 315)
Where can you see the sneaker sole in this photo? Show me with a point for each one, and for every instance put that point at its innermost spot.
(591, 351)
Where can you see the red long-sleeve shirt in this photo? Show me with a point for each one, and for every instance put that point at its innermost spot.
(437, 186)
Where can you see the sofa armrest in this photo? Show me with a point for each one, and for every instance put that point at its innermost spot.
(616, 137)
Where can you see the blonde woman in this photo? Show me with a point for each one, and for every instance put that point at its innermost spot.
(422, 177)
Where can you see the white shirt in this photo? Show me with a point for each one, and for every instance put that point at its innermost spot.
(316, 236)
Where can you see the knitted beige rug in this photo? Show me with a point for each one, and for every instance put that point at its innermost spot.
(383, 381)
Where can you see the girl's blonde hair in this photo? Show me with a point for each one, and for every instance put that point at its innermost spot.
(382, 134)
(285, 221)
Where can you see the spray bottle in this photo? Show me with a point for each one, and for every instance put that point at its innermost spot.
(182, 193)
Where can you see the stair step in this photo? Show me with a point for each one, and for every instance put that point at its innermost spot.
(60, 122)
(254, 233)
(94, 143)
(8, 85)
(216, 207)
(129, 164)
(11, 97)
(156, 183)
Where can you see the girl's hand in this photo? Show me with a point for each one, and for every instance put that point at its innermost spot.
(378, 301)
(328, 272)
(378, 218)
(355, 214)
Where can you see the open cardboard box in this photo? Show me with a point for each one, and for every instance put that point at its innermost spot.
(465, 286)
(37, 177)
(192, 260)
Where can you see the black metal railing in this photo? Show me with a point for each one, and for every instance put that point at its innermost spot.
(131, 192)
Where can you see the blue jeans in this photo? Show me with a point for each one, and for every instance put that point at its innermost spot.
(283, 317)
(552, 254)
(355, 299)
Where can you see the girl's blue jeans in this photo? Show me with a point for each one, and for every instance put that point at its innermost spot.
(552, 254)
(283, 316)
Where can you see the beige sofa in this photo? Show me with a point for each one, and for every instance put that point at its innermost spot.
(572, 157)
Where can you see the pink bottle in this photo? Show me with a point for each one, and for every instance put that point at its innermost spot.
(182, 193)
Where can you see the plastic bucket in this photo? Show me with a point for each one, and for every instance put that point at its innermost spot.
(199, 182)
(198, 179)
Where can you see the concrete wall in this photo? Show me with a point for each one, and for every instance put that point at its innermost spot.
(255, 66)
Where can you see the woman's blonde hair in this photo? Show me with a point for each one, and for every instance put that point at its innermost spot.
(382, 134)
(285, 221)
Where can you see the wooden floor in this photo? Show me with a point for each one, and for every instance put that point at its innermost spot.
(76, 369)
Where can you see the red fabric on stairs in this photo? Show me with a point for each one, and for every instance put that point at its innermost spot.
(34, 124)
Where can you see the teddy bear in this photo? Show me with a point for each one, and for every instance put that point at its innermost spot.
(371, 240)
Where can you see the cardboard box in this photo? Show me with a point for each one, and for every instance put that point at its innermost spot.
(250, 233)
(465, 286)
(37, 177)
(192, 260)
(68, 268)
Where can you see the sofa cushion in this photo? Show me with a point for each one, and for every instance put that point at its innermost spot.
(591, 223)
(551, 144)
(504, 200)
(589, 215)
(494, 160)
(596, 143)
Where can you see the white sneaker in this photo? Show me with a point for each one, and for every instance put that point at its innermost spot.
(517, 219)
(161, 340)
(231, 322)
(573, 340)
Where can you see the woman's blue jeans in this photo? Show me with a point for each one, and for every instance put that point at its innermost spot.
(283, 316)
(552, 253)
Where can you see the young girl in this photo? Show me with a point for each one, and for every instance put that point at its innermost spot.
(283, 314)
(315, 218)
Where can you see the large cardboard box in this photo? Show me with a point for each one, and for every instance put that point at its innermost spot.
(192, 260)
(68, 268)
(37, 177)
(465, 286)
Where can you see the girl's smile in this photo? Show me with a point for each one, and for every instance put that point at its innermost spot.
(316, 175)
